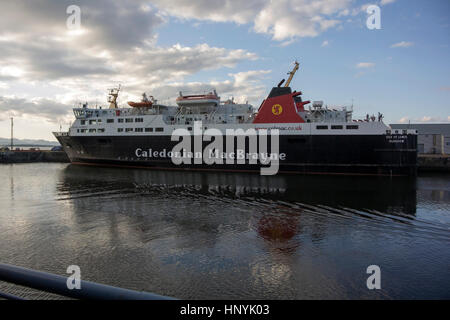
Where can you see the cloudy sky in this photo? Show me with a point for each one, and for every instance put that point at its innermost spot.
(241, 48)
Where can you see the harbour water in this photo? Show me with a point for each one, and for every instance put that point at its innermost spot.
(229, 236)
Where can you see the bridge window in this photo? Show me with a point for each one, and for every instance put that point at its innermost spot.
(322, 127)
(120, 120)
(337, 127)
(139, 130)
(110, 120)
(129, 120)
(101, 130)
(352, 127)
(92, 130)
(91, 121)
(159, 129)
(139, 120)
(128, 129)
(83, 122)
(148, 129)
(119, 129)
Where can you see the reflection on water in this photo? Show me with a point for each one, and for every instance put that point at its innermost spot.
(223, 235)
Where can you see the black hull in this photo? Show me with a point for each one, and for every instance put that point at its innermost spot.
(314, 154)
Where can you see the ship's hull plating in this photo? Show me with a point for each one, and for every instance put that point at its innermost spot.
(321, 154)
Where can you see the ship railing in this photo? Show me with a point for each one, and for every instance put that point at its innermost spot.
(58, 285)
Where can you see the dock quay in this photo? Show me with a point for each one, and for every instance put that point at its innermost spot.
(433, 163)
(24, 156)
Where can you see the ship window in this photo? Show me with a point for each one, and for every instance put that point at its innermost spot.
(120, 120)
(83, 122)
(91, 121)
(352, 127)
(337, 127)
(101, 130)
(159, 129)
(189, 128)
(321, 127)
(119, 129)
(92, 130)
(128, 129)
(99, 121)
(148, 129)
(388, 131)
(139, 129)
(109, 120)
(82, 130)
(139, 120)
(129, 120)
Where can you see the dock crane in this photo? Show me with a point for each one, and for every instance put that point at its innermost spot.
(291, 74)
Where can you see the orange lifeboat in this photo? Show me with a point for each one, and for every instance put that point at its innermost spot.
(141, 104)
(144, 103)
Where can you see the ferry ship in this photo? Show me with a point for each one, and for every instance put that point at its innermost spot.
(313, 138)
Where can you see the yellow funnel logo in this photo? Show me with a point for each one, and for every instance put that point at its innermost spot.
(277, 109)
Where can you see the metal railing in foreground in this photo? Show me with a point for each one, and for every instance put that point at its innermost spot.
(58, 285)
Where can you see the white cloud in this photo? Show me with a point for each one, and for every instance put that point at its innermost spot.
(325, 43)
(365, 65)
(118, 45)
(282, 19)
(43, 108)
(402, 44)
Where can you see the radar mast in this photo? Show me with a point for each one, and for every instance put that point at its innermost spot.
(112, 97)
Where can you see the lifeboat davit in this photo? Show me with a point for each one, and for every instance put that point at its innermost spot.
(202, 99)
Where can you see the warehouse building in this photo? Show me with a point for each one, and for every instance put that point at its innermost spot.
(433, 138)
